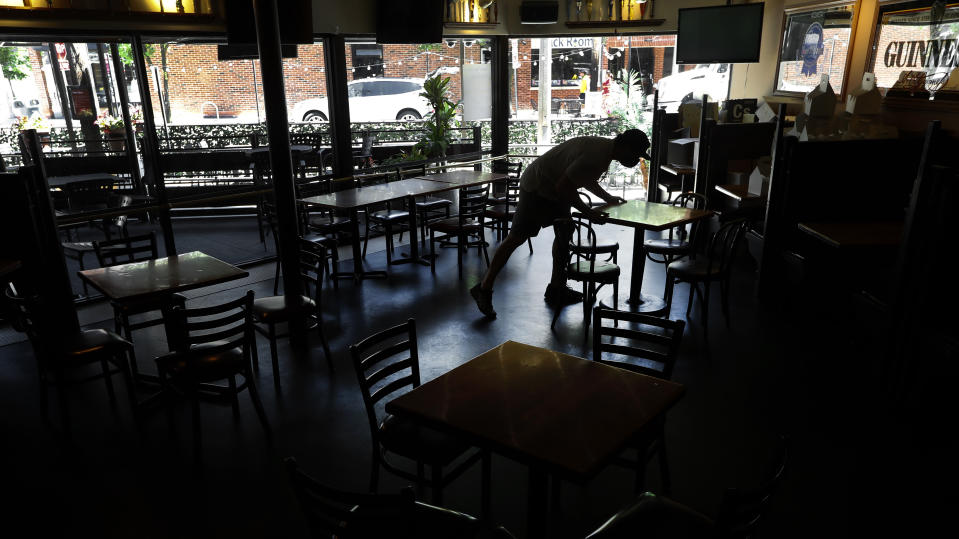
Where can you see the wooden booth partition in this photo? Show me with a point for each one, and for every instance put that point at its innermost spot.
(820, 187)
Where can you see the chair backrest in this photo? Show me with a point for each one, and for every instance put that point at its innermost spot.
(126, 250)
(312, 257)
(514, 171)
(693, 201)
(385, 363)
(473, 202)
(89, 194)
(722, 245)
(410, 172)
(216, 328)
(742, 509)
(331, 512)
(638, 342)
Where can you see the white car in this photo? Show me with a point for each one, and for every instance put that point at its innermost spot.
(709, 79)
(371, 100)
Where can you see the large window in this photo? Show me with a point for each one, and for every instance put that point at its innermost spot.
(815, 42)
(367, 61)
(913, 37)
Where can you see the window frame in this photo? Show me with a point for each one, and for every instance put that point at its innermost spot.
(817, 6)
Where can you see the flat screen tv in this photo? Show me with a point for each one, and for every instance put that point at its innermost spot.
(720, 35)
(409, 21)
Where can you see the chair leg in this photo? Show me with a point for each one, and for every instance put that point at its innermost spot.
(461, 244)
(105, 365)
(366, 235)
(436, 480)
(323, 343)
(483, 246)
(664, 468)
(529, 242)
(487, 466)
(121, 359)
(197, 440)
(276, 278)
(234, 401)
(693, 288)
(433, 251)
(375, 469)
(254, 355)
(273, 358)
(258, 406)
(389, 243)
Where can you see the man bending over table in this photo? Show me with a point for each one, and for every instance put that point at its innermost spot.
(548, 189)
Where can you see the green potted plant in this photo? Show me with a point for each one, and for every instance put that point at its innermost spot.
(113, 131)
(440, 121)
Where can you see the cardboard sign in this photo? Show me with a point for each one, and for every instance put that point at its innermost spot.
(737, 108)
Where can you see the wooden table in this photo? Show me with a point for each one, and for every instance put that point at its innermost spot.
(156, 279)
(844, 235)
(682, 172)
(161, 277)
(641, 216)
(63, 181)
(558, 414)
(359, 197)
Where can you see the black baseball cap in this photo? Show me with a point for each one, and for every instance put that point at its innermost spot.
(635, 139)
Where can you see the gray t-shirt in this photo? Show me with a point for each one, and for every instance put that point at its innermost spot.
(582, 159)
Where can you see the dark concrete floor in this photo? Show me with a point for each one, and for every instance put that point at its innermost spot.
(776, 370)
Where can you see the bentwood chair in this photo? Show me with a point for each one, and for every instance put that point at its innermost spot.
(274, 310)
(59, 353)
(386, 363)
(584, 264)
(740, 513)
(466, 229)
(125, 250)
(502, 207)
(428, 208)
(679, 241)
(713, 267)
(334, 513)
(646, 345)
(211, 344)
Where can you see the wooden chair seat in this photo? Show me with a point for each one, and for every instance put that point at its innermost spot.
(699, 269)
(453, 225)
(500, 211)
(414, 441)
(273, 309)
(667, 246)
(432, 204)
(89, 344)
(204, 368)
(602, 272)
(390, 215)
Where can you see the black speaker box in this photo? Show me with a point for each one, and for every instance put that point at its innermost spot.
(539, 12)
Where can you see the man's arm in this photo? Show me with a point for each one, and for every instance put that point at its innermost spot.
(570, 194)
(597, 189)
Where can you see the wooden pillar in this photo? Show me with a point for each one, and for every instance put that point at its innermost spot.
(281, 162)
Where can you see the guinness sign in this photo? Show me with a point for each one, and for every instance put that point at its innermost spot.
(929, 53)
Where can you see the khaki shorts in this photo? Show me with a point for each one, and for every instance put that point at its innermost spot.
(534, 212)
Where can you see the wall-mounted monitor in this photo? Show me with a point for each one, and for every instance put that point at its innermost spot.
(720, 35)
(409, 21)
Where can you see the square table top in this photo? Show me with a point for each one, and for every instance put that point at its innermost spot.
(651, 215)
(139, 280)
(737, 192)
(464, 178)
(374, 194)
(541, 407)
(855, 234)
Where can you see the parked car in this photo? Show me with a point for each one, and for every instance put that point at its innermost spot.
(709, 79)
(371, 100)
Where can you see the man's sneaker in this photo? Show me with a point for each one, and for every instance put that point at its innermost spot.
(562, 295)
(484, 300)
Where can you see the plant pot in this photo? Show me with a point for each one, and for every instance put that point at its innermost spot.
(117, 141)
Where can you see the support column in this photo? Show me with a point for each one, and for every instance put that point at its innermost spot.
(499, 124)
(339, 105)
(151, 146)
(125, 111)
(278, 130)
(65, 107)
